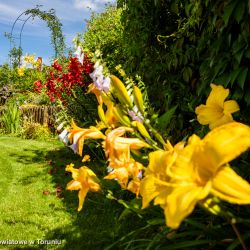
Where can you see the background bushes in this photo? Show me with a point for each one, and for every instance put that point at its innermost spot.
(178, 48)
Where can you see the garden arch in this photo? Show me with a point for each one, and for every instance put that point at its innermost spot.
(57, 38)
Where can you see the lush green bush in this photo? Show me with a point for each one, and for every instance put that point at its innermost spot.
(11, 119)
(104, 32)
(178, 48)
(32, 130)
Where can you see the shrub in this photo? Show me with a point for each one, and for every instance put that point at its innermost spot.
(104, 32)
(10, 119)
(31, 130)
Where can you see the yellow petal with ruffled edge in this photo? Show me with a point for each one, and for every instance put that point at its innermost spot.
(231, 107)
(148, 190)
(226, 142)
(181, 203)
(81, 196)
(229, 186)
(217, 95)
(227, 118)
(208, 114)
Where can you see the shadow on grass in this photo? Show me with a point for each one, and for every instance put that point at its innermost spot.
(97, 225)
(29, 156)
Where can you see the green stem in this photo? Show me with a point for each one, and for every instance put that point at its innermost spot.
(155, 133)
(238, 235)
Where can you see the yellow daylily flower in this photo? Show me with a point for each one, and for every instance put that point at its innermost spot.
(117, 148)
(120, 174)
(108, 118)
(29, 59)
(134, 186)
(20, 71)
(180, 178)
(217, 111)
(201, 168)
(84, 180)
(130, 169)
(77, 136)
(155, 184)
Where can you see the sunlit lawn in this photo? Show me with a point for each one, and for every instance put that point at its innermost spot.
(35, 205)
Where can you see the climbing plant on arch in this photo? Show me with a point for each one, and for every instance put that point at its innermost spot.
(57, 38)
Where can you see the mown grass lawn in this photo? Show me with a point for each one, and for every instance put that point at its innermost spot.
(35, 205)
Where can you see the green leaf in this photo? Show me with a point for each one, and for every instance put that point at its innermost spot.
(247, 97)
(187, 73)
(239, 55)
(223, 80)
(233, 75)
(189, 243)
(165, 119)
(239, 11)
(242, 77)
(156, 221)
(228, 10)
(238, 94)
(247, 53)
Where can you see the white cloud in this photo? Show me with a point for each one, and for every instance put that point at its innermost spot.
(8, 12)
(80, 4)
(94, 5)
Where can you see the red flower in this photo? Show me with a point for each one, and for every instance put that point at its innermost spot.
(38, 86)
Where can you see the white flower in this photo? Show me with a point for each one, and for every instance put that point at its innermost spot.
(106, 84)
(97, 72)
(74, 147)
(64, 136)
(79, 54)
(135, 114)
(109, 169)
(99, 81)
(60, 126)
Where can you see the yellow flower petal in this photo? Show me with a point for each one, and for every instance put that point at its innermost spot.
(231, 106)
(120, 174)
(74, 185)
(226, 142)
(217, 95)
(161, 199)
(230, 187)
(158, 162)
(208, 114)
(216, 112)
(81, 196)
(148, 190)
(181, 202)
(227, 118)
(134, 186)
(84, 180)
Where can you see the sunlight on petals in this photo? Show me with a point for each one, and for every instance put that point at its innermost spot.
(217, 111)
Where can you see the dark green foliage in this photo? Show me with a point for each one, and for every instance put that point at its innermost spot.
(180, 47)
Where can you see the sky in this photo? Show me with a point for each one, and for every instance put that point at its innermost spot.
(36, 35)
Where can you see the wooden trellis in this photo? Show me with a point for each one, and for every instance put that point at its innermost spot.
(44, 115)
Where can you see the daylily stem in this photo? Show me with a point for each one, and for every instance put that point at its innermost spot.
(238, 235)
(156, 134)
